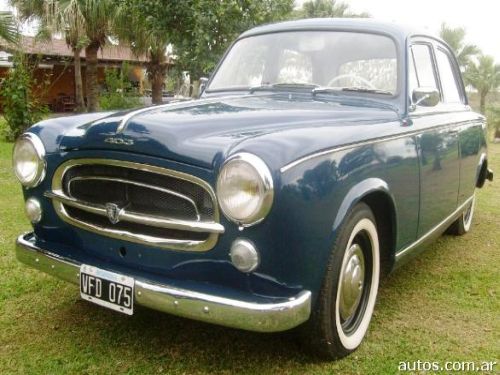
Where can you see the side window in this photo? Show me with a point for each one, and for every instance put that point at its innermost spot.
(451, 93)
(424, 67)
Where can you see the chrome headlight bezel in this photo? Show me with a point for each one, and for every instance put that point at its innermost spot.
(266, 186)
(38, 150)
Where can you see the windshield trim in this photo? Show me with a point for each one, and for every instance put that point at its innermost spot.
(399, 58)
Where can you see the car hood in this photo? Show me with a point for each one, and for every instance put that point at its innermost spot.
(204, 132)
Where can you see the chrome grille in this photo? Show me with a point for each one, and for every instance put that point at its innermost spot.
(137, 202)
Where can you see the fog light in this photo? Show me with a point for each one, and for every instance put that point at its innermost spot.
(244, 256)
(33, 210)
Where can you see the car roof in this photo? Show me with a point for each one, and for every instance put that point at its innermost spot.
(400, 32)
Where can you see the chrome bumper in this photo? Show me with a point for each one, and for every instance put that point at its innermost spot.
(261, 317)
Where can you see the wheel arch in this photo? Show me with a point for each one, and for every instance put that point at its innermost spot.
(482, 170)
(376, 194)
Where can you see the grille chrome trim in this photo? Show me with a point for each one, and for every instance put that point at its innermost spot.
(212, 228)
(134, 217)
(135, 183)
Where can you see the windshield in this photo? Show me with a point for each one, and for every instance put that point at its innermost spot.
(347, 61)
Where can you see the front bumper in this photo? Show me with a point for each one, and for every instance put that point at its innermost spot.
(260, 317)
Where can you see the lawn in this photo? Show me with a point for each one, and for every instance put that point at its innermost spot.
(443, 306)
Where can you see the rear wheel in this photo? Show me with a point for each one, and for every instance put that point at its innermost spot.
(347, 298)
(463, 224)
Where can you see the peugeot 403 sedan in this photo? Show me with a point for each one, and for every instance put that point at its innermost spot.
(321, 155)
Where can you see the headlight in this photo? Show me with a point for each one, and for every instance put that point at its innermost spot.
(245, 189)
(28, 160)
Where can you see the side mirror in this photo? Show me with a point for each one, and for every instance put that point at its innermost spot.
(203, 85)
(426, 96)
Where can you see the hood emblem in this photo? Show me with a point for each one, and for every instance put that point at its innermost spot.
(113, 212)
(119, 141)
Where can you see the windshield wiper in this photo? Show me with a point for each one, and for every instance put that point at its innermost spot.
(284, 85)
(323, 90)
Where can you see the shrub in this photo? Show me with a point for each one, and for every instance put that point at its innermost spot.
(119, 93)
(20, 106)
(493, 114)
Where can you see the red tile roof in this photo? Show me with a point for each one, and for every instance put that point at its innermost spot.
(58, 47)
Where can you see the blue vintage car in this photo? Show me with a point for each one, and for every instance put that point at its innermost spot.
(321, 155)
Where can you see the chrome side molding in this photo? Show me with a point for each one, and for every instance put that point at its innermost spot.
(437, 230)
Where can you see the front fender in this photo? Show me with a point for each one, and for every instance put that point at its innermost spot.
(356, 194)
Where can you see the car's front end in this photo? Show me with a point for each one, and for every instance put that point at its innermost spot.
(197, 208)
(104, 215)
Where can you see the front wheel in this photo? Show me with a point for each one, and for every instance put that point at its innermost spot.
(347, 298)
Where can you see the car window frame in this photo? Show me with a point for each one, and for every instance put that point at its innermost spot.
(430, 46)
(441, 106)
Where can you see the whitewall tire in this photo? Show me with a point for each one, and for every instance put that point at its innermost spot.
(345, 304)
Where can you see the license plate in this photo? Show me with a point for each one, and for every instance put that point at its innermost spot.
(107, 289)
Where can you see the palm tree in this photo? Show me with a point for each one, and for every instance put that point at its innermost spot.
(8, 28)
(59, 17)
(455, 39)
(484, 76)
(98, 16)
(71, 22)
(327, 8)
(130, 25)
(88, 23)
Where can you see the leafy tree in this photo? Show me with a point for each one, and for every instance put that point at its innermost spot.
(119, 93)
(208, 27)
(326, 9)
(484, 76)
(455, 37)
(8, 28)
(21, 108)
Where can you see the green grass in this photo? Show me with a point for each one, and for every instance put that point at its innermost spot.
(442, 306)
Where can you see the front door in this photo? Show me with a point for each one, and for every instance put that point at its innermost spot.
(437, 142)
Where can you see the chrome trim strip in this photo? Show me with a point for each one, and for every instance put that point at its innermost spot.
(134, 217)
(278, 316)
(213, 228)
(345, 147)
(192, 226)
(439, 227)
(140, 184)
(368, 142)
(125, 119)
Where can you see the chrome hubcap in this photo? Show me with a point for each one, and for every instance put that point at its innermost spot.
(352, 283)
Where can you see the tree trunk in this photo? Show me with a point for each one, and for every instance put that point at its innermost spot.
(157, 85)
(91, 76)
(80, 104)
(482, 102)
(196, 89)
